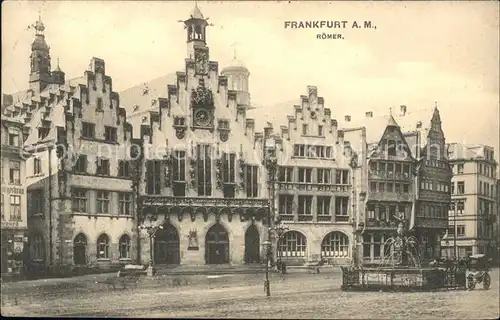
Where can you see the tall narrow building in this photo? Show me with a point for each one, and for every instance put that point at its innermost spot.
(473, 210)
(200, 176)
(406, 177)
(80, 204)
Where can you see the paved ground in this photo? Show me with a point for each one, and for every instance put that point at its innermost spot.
(296, 295)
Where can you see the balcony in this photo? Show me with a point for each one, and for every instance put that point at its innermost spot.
(390, 196)
(381, 224)
(384, 175)
(160, 201)
(323, 187)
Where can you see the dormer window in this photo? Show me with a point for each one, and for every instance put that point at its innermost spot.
(43, 132)
(136, 107)
(369, 114)
(347, 118)
(419, 125)
(145, 91)
(14, 139)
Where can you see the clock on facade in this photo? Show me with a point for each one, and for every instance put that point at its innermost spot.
(201, 118)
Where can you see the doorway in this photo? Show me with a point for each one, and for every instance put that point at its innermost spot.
(217, 245)
(252, 245)
(166, 246)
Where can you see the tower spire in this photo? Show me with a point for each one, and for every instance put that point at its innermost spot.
(234, 49)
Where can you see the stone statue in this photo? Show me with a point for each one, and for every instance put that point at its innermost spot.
(401, 223)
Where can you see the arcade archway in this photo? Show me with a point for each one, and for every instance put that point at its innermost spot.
(252, 245)
(217, 245)
(166, 246)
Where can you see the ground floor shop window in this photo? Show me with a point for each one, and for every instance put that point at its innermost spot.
(335, 244)
(293, 244)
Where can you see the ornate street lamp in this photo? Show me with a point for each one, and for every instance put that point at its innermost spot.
(271, 164)
(151, 230)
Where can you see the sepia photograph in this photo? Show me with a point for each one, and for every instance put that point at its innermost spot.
(250, 159)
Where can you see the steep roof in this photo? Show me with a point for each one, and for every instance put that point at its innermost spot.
(138, 99)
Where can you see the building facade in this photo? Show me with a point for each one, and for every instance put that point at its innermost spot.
(200, 176)
(13, 206)
(314, 187)
(473, 211)
(405, 177)
(80, 200)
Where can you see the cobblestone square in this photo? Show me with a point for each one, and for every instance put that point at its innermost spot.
(295, 295)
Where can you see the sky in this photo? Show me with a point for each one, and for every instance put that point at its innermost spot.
(419, 53)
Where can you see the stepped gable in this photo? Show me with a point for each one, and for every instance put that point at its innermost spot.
(166, 112)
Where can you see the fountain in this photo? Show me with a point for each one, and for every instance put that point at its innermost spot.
(400, 268)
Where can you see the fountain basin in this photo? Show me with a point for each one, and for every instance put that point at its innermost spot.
(402, 279)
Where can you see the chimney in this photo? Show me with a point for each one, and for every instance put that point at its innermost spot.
(419, 125)
(369, 114)
(347, 118)
(403, 110)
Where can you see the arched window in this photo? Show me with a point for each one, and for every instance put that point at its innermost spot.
(293, 244)
(103, 247)
(335, 244)
(125, 247)
(37, 247)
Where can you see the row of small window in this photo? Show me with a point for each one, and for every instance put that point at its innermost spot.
(487, 170)
(312, 152)
(293, 244)
(102, 166)
(14, 208)
(203, 175)
(393, 146)
(306, 131)
(390, 187)
(375, 246)
(37, 248)
(390, 168)
(430, 211)
(427, 184)
(460, 231)
(305, 175)
(14, 171)
(486, 207)
(88, 131)
(104, 204)
(384, 213)
(487, 190)
(303, 206)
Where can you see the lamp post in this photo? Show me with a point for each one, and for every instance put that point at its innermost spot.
(151, 230)
(271, 164)
(455, 248)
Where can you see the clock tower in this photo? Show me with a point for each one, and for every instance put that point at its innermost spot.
(196, 26)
